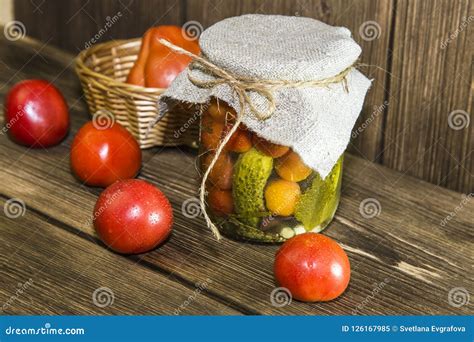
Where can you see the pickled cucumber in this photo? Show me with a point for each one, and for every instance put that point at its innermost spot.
(318, 203)
(251, 172)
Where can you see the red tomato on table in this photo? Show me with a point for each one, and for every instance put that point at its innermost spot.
(101, 156)
(132, 216)
(313, 267)
(36, 114)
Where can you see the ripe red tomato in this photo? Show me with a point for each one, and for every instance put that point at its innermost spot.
(157, 65)
(132, 216)
(36, 114)
(313, 267)
(101, 156)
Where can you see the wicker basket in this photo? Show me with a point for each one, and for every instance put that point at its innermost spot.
(103, 69)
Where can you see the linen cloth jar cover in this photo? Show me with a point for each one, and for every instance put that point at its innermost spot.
(314, 120)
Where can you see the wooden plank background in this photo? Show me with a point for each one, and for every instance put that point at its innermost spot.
(419, 55)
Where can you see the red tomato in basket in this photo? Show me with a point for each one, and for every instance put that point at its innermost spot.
(312, 267)
(102, 155)
(36, 114)
(132, 216)
(157, 65)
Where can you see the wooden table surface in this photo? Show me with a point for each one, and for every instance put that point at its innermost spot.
(404, 260)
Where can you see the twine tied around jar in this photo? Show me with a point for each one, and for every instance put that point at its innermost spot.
(242, 86)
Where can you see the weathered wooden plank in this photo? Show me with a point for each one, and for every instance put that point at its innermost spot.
(192, 252)
(418, 260)
(431, 90)
(73, 24)
(408, 234)
(370, 23)
(60, 272)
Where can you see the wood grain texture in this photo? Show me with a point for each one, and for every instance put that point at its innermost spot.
(404, 261)
(432, 77)
(353, 15)
(404, 250)
(59, 272)
(73, 24)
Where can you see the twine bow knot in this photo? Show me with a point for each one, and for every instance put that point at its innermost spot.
(242, 86)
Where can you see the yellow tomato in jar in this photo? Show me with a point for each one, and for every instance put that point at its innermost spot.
(281, 197)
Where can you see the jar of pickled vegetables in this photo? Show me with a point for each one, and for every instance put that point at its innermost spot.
(278, 98)
(260, 191)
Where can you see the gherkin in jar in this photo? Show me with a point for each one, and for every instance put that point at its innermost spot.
(259, 191)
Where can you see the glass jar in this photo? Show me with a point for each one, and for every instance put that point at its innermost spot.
(259, 191)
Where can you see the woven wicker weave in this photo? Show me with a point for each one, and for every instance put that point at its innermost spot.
(103, 69)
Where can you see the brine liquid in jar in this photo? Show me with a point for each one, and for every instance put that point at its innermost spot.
(260, 191)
